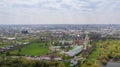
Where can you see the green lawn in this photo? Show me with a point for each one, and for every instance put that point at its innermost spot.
(34, 49)
(94, 55)
(67, 64)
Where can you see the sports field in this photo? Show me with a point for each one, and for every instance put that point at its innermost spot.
(34, 49)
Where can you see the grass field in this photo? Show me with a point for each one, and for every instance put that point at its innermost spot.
(34, 49)
(93, 57)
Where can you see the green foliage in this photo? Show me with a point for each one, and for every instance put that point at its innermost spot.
(7, 53)
(67, 64)
(104, 61)
(104, 51)
(16, 62)
(110, 49)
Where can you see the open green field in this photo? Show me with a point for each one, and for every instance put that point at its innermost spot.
(34, 49)
(94, 55)
(92, 59)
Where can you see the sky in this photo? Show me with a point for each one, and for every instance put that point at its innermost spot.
(59, 11)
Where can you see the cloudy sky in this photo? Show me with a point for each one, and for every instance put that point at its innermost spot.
(59, 11)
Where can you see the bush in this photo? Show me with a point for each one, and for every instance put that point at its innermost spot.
(104, 61)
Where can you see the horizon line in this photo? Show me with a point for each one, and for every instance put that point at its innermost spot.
(65, 24)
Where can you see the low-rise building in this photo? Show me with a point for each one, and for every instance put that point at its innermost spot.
(51, 57)
(75, 51)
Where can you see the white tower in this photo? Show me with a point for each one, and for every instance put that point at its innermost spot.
(86, 41)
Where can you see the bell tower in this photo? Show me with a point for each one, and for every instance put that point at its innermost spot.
(86, 41)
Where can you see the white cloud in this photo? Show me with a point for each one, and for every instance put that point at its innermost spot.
(61, 10)
(57, 4)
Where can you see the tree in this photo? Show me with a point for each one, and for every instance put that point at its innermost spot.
(61, 64)
(95, 65)
(88, 62)
(19, 49)
(46, 44)
(104, 61)
(7, 53)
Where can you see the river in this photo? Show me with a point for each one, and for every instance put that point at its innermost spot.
(112, 64)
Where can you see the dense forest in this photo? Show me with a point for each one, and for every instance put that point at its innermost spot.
(109, 51)
(105, 51)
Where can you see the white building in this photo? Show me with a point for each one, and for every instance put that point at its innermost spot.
(75, 51)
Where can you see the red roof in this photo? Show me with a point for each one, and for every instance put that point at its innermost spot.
(51, 55)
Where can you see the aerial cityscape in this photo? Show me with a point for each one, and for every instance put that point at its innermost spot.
(60, 45)
(59, 33)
